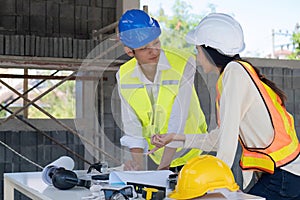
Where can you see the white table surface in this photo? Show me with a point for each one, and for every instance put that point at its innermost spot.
(32, 185)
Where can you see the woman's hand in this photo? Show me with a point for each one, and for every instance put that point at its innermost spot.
(161, 140)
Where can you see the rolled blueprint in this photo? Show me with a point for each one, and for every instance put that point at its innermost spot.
(64, 161)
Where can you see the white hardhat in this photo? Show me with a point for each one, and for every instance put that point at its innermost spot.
(219, 31)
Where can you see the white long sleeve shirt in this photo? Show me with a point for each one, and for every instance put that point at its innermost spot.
(132, 127)
(242, 113)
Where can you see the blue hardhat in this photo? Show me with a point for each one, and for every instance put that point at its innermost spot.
(137, 28)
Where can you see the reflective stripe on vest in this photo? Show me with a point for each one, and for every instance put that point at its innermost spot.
(135, 93)
(285, 146)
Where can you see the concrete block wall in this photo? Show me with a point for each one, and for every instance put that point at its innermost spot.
(59, 47)
(55, 28)
(56, 18)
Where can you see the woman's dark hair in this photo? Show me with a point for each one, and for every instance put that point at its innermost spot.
(272, 85)
(221, 60)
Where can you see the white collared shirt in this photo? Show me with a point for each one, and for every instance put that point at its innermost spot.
(132, 127)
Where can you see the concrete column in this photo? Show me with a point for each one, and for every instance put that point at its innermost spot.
(124, 5)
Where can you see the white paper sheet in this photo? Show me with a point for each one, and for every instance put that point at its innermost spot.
(155, 178)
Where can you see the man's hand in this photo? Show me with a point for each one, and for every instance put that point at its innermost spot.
(137, 160)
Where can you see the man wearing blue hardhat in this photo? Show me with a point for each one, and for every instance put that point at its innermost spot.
(157, 93)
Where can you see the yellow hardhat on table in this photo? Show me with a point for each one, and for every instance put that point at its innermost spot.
(202, 174)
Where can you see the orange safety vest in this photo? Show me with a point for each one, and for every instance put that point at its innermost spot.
(285, 146)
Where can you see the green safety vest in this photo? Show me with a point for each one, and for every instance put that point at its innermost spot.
(154, 118)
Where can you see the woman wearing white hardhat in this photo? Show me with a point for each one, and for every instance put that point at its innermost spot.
(250, 110)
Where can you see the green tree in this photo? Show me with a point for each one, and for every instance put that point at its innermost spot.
(176, 27)
(2, 112)
(60, 103)
(296, 41)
